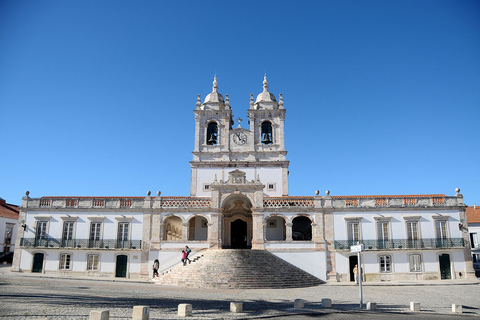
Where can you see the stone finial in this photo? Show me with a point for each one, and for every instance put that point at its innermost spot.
(317, 192)
(227, 101)
(457, 190)
(148, 193)
(327, 192)
(215, 83)
(251, 99)
(280, 100)
(158, 193)
(27, 193)
(265, 82)
(215, 179)
(198, 101)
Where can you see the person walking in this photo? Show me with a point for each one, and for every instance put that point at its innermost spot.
(184, 257)
(187, 250)
(355, 273)
(156, 265)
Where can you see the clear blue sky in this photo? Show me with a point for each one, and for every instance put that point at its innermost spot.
(96, 97)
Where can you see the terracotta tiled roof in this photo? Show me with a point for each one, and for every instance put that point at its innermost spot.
(473, 214)
(7, 210)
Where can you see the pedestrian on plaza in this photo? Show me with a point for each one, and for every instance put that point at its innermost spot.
(355, 273)
(184, 257)
(156, 265)
(187, 250)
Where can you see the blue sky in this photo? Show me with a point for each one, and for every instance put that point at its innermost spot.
(97, 97)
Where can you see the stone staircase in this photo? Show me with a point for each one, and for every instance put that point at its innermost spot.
(237, 269)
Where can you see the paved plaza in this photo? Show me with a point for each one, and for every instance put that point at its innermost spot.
(31, 296)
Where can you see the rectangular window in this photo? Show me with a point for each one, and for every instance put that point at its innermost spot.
(122, 235)
(123, 231)
(386, 263)
(383, 234)
(68, 230)
(95, 237)
(415, 263)
(41, 232)
(412, 230)
(474, 240)
(8, 236)
(441, 228)
(92, 262)
(353, 231)
(65, 261)
(382, 230)
(68, 233)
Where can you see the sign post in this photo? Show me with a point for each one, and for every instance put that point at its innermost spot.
(359, 248)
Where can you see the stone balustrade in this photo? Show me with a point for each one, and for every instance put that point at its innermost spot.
(335, 202)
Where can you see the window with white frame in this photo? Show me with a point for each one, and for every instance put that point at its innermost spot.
(383, 230)
(385, 263)
(65, 261)
(441, 229)
(415, 262)
(353, 230)
(41, 232)
(68, 230)
(122, 234)
(412, 230)
(95, 233)
(92, 262)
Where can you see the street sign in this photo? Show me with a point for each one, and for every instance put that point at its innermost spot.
(357, 248)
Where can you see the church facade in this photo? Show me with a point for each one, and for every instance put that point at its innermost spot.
(239, 199)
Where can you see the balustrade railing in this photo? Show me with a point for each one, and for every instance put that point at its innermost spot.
(81, 243)
(282, 202)
(402, 244)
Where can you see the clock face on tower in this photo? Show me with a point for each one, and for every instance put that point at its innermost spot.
(240, 138)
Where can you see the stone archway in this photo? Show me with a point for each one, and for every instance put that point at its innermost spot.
(237, 222)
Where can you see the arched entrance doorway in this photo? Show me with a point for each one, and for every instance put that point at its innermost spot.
(238, 234)
(237, 222)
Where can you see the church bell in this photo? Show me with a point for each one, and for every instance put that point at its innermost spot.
(266, 139)
(212, 139)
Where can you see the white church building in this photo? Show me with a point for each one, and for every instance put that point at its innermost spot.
(239, 199)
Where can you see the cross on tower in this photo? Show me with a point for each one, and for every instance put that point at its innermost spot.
(239, 120)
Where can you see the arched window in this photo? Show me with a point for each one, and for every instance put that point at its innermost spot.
(173, 229)
(302, 229)
(276, 229)
(198, 229)
(212, 133)
(267, 133)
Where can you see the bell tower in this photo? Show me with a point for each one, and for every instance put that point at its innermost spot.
(258, 151)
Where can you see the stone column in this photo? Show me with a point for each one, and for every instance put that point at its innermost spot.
(185, 231)
(162, 231)
(329, 245)
(146, 227)
(288, 231)
(18, 250)
(318, 232)
(258, 234)
(214, 231)
(156, 231)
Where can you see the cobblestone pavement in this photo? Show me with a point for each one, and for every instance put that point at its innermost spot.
(30, 296)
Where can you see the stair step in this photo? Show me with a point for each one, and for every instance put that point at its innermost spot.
(238, 269)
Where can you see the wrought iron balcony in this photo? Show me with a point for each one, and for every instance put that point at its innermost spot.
(81, 243)
(401, 244)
